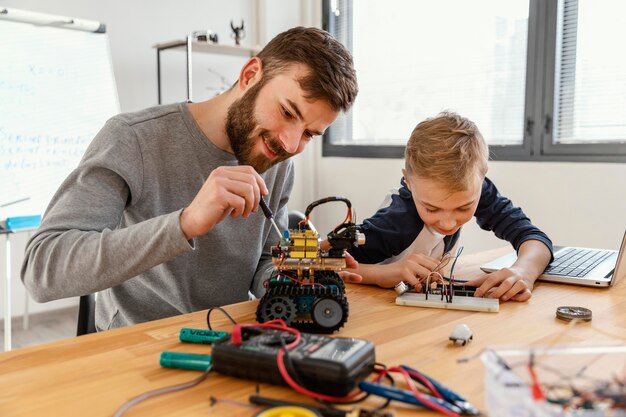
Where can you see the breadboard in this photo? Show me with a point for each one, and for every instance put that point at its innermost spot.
(459, 302)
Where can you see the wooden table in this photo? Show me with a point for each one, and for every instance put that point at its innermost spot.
(94, 375)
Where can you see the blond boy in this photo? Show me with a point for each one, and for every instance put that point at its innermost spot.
(444, 186)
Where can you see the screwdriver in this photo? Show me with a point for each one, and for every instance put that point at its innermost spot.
(268, 213)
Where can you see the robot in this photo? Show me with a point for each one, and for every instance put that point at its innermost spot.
(305, 290)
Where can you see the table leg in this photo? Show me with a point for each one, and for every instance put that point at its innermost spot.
(7, 297)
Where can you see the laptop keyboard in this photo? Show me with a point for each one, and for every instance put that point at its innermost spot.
(576, 262)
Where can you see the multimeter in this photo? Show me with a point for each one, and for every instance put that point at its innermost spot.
(327, 365)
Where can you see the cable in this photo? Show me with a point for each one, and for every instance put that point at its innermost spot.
(134, 401)
(208, 316)
(452, 270)
(418, 395)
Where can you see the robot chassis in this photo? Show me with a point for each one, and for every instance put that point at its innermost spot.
(305, 289)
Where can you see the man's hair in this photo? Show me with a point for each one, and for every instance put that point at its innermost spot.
(332, 77)
(448, 149)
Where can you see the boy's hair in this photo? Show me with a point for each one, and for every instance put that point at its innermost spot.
(332, 77)
(448, 149)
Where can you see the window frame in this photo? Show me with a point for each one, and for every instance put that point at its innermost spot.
(538, 109)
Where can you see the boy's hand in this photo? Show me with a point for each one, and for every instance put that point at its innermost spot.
(506, 284)
(350, 276)
(412, 269)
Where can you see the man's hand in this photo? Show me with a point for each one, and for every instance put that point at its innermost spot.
(229, 191)
(506, 284)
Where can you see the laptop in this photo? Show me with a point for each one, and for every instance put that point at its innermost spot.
(579, 266)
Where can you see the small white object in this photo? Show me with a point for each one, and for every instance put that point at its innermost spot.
(461, 334)
(401, 288)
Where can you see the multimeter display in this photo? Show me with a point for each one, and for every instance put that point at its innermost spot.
(323, 364)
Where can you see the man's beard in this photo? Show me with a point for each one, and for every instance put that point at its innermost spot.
(240, 129)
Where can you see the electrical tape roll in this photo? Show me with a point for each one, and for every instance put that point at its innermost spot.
(288, 411)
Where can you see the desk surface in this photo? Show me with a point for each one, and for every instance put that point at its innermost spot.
(95, 374)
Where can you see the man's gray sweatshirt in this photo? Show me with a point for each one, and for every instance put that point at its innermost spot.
(113, 226)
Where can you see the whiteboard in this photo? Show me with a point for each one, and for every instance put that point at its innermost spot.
(57, 89)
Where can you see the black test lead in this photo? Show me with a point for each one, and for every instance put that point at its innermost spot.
(268, 213)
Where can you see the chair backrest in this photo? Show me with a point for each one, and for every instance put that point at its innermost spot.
(295, 217)
(86, 315)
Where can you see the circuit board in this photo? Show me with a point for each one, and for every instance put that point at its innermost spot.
(462, 299)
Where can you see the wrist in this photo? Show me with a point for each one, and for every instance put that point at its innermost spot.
(183, 222)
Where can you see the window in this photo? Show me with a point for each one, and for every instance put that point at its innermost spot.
(543, 80)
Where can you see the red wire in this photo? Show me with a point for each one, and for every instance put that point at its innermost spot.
(427, 383)
(301, 282)
(535, 386)
(280, 361)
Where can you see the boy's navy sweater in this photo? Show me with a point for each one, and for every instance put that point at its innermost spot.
(394, 228)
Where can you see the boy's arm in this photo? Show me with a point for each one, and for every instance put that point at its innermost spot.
(534, 248)
(390, 230)
(508, 222)
(408, 269)
(516, 282)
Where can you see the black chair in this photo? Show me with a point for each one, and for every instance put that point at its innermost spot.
(86, 315)
(295, 217)
(87, 305)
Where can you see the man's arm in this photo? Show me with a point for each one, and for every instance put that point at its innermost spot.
(79, 249)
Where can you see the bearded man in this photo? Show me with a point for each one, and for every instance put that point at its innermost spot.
(160, 217)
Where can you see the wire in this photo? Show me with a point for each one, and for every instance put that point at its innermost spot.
(301, 282)
(302, 390)
(150, 394)
(208, 316)
(452, 271)
(444, 260)
(418, 395)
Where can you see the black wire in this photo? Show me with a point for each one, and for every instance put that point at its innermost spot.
(208, 316)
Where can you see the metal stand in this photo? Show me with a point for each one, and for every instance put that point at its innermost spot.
(190, 45)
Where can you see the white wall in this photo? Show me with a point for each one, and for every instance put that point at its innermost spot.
(581, 204)
(133, 28)
(578, 204)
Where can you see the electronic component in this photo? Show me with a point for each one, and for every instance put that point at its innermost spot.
(305, 290)
(569, 313)
(461, 334)
(438, 291)
(459, 302)
(323, 364)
